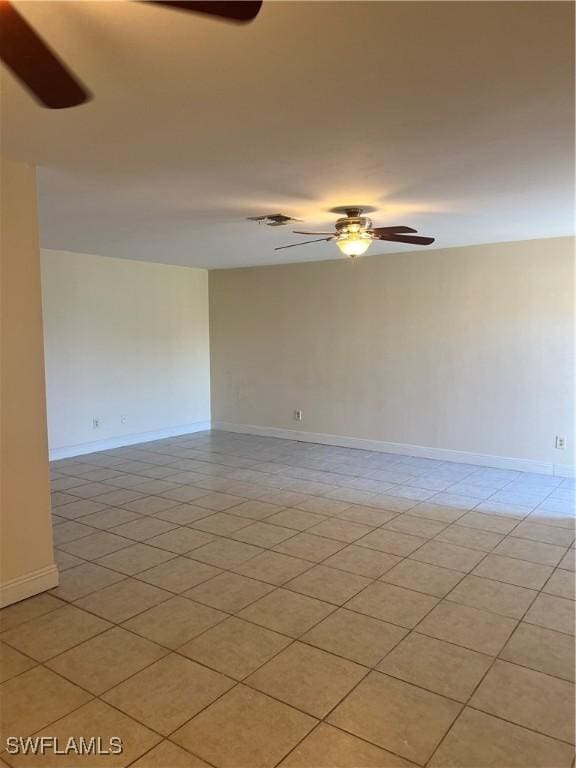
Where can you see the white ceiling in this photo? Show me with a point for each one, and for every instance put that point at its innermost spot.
(455, 118)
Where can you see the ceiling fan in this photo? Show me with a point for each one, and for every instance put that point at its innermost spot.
(354, 233)
(45, 75)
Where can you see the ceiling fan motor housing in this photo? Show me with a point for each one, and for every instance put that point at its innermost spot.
(355, 223)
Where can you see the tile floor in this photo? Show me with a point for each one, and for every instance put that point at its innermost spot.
(246, 602)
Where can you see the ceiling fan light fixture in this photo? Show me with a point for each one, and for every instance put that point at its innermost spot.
(354, 243)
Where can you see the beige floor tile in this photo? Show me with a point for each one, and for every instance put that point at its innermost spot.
(528, 698)
(134, 559)
(341, 530)
(110, 517)
(183, 514)
(174, 622)
(168, 755)
(235, 647)
(470, 627)
(394, 604)
(307, 678)
(79, 508)
(485, 522)
(273, 567)
(97, 545)
(328, 584)
(415, 526)
(54, 632)
(180, 540)
(64, 561)
(323, 506)
(512, 571)
(262, 534)
(287, 612)
(496, 596)
(541, 649)
(448, 556)
(26, 610)
(328, 747)
(533, 551)
(568, 561)
(91, 719)
(119, 496)
(123, 600)
(355, 636)
(297, 519)
(106, 660)
(143, 528)
(362, 561)
(168, 693)
(71, 531)
(436, 512)
(34, 699)
(553, 613)
(484, 541)
(392, 542)
(561, 584)
(550, 534)
(366, 515)
(179, 574)
(229, 592)
(225, 553)
(422, 577)
(396, 716)
(309, 547)
(185, 494)
(218, 502)
(437, 666)
(150, 505)
(256, 510)
(221, 524)
(84, 579)
(244, 729)
(478, 740)
(12, 662)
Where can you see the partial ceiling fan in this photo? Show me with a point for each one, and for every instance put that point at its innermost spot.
(46, 76)
(354, 233)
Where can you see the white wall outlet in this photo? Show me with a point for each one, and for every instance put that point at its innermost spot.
(560, 443)
(96, 422)
(123, 419)
(298, 415)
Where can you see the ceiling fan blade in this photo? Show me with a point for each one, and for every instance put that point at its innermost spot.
(36, 66)
(299, 232)
(293, 245)
(391, 230)
(233, 10)
(411, 239)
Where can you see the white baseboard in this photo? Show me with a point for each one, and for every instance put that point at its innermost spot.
(28, 585)
(441, 454)
(120, 441)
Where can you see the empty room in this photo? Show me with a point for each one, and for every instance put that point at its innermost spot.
(287, 384)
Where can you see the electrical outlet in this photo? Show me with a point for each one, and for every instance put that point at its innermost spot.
(123, 419)
(298, 415)
(560, 443)
(96, 422)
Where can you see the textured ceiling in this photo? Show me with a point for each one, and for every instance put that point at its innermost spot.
(455, 118)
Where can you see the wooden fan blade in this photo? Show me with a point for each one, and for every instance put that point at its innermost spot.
(391, 230)
(241, 11)
(412, 239)
(321, 240)
(300, 232)
(36, 66)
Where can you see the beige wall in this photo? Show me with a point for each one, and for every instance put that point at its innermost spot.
(26, 564)
(468, 349)
(125, 342)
